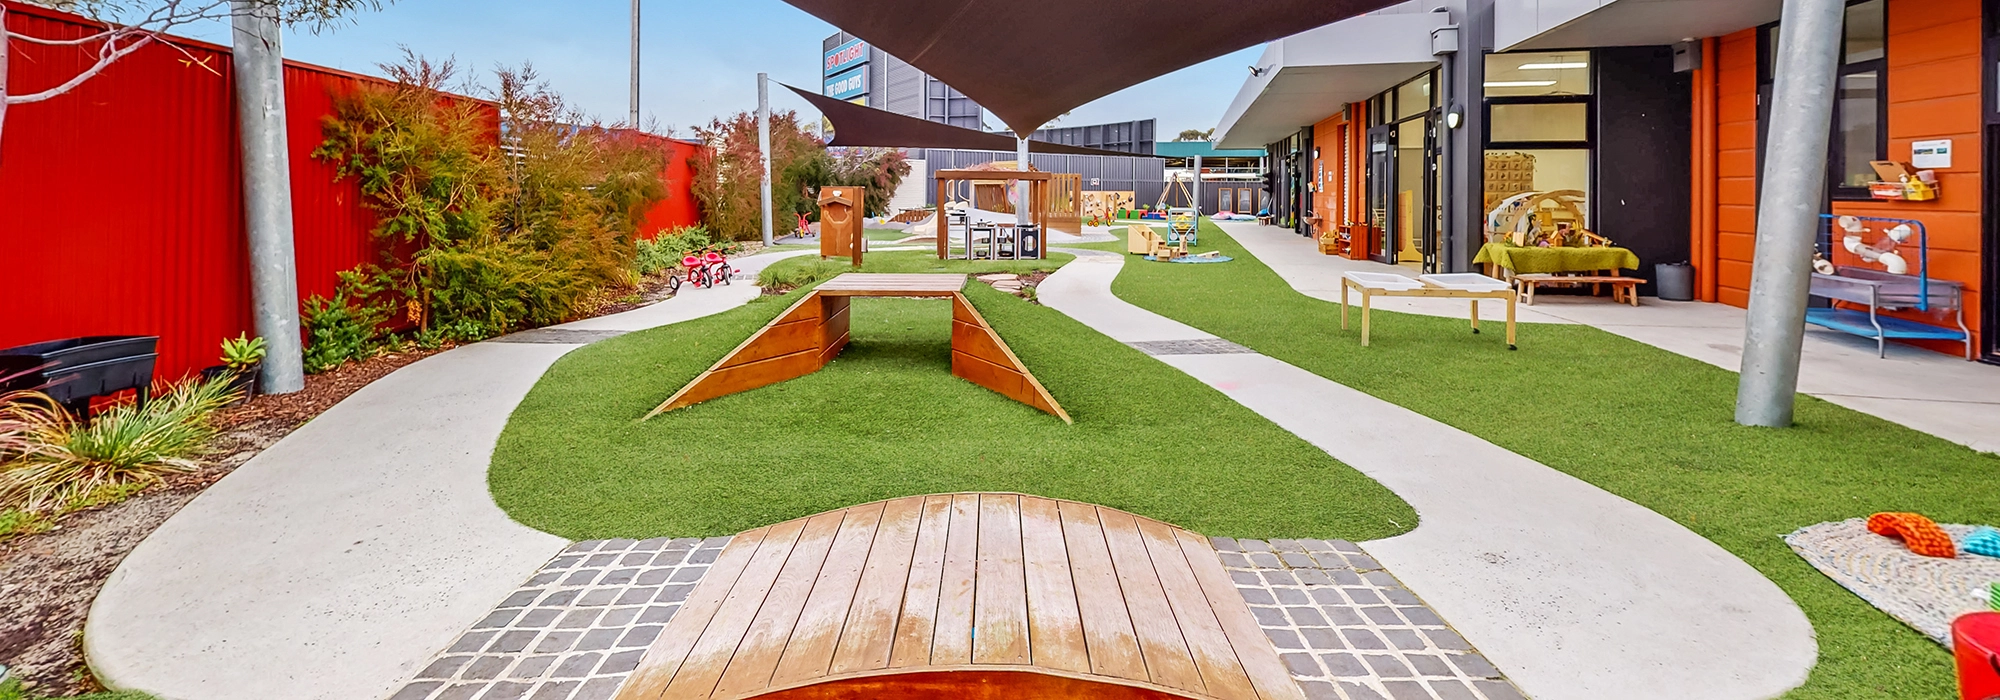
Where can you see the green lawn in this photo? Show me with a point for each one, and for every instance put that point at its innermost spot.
(887, 419)
(1644, 423)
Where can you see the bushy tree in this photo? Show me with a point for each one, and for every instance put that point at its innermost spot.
(485, 233)
(727, 173)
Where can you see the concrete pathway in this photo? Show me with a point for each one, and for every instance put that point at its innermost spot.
(1573, 591)
(336, 561)
(1932, 392)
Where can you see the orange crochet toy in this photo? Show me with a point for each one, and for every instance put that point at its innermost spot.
(1918, 532)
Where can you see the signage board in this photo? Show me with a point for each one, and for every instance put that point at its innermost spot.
(1931, 155)
(848, 55)
(847, 86)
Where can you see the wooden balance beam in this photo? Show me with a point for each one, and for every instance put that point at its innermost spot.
(987, 596)
(813, 331)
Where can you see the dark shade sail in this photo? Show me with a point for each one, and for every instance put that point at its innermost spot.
(855, 125)
(1030, 61)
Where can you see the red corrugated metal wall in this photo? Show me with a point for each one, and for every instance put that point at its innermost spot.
(120, 206)
(679, 209)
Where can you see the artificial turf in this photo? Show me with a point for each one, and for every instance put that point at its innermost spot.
(887, 419)
(1638, 421)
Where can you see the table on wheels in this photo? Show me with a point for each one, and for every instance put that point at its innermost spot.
(1472, 287)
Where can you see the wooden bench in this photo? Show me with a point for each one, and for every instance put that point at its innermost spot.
(987, 596)
(813, 331)
(1623, 289)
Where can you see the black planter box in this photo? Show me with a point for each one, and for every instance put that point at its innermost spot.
(74, 370)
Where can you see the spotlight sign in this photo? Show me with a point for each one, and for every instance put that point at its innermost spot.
(848, 55)
(847, 86)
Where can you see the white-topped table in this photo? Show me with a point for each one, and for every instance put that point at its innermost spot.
(1473, 287)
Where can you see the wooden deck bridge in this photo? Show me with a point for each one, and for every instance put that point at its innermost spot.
(974, 595)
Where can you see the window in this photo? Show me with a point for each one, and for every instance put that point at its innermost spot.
(1538, 125)
(1537, 74)
(1861, 105)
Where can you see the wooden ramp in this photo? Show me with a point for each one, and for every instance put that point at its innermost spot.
(965, 596)
(813, 331)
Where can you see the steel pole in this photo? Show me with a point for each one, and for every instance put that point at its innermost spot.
(258, 54)
(764, 147)
(635, 64)
(1022, 188)
(1788, 212)
(1196, 194)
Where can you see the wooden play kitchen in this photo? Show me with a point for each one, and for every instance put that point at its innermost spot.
(994, 240)
(968, 596)
(1472, 287)
(813, 331)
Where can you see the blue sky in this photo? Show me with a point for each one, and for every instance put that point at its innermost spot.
(700, 60)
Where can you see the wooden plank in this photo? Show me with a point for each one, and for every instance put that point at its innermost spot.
(1107, 625)
(807, 309)
(1000, 602)
(1167, 657)
(818, 629)
(951, 643)
(1033, 394)
(718, 643)
(1004, 381)
(736, 380)
(859, 283)
(1213, 653)
(1253, 650)
(920, 598)
(663, 659)
(777, 341)
(757, 658)
(1055, 628)
(981, 343)
(870, 632)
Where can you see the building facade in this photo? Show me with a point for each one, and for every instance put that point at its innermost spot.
(1135, 137)
(856, 71)
(1409, 126)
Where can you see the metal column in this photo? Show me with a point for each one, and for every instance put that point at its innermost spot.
(635, 65)
(764, 147)
(258, 54)
(1794, 187)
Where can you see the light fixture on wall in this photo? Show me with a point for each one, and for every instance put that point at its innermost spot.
(1452, 119)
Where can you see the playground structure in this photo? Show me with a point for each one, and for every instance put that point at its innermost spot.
(807, 336)
(968, 596)
(962, 191)
(1860, 294)
(841, 233)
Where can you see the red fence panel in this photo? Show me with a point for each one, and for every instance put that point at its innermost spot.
(120, 202)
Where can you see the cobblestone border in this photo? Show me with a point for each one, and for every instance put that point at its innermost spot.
(575, 630)
(1348, 630)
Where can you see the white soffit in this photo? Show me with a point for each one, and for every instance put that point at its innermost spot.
(1570, 24)
(1310, 76)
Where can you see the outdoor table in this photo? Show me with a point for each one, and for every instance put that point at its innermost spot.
(1469, 286)
(1521, 260)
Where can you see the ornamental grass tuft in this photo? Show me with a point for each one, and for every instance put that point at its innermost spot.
(49, 461)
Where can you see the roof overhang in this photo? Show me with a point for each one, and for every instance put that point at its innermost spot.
(1574, 24)
(1310, 76)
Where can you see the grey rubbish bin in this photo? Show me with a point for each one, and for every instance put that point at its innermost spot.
(1674, 281)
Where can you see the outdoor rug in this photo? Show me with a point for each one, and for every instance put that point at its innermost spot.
(1926, 593)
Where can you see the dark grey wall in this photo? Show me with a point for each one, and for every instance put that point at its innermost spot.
(1642, 170)
(1144, 177)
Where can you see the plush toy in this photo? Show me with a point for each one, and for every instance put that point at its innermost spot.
(1922, 536)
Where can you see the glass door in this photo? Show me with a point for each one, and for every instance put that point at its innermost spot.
(1382, 191)
(1412, 214)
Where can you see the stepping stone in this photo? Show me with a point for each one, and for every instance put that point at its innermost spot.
(997, 277)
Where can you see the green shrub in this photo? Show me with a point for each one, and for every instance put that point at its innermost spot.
(666, 251)
(339, 331)
(242, 352)
(124, 448)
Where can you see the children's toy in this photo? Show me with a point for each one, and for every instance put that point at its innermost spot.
(1181, 224)
(1917, 532)
(1883, 281)
(1984, 542)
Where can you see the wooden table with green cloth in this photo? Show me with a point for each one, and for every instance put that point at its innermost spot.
(1524, 260)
